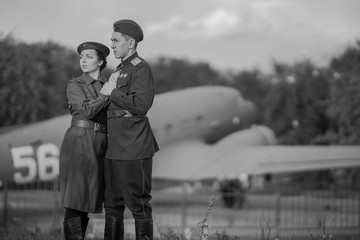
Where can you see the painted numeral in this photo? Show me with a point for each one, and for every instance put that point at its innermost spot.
(42, 162)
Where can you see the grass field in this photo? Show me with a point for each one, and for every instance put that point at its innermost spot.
(180, 210)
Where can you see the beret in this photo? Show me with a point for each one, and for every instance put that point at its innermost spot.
(129, 27)
(94, 45)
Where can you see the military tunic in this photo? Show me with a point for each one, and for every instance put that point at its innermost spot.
(131, 138)
(83, 149)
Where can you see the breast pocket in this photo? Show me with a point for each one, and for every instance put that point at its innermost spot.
(123, 84)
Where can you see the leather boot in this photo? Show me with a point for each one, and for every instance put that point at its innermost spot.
(114, 228)
(84, 224)
(72, 229)
(144, 229)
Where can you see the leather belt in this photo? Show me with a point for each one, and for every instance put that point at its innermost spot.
(97, 127)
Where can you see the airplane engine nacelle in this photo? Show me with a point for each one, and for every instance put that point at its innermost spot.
(233, 187)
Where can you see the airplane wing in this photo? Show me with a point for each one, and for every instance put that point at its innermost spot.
(279, 159)
(185, 159)
(194, 160)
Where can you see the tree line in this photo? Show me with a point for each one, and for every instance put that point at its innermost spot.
(303, 103)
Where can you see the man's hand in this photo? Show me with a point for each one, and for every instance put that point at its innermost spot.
(110, 85)
(113, 77)
(107, 89)
(128, 114)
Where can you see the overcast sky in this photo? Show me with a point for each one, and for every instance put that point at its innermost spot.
(228, 34)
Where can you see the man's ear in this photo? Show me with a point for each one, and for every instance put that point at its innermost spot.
(132, 43)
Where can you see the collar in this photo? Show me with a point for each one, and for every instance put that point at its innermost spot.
(102, 79)
(126, 61)
(89, 80)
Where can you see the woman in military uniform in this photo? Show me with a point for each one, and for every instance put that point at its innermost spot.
(85, 142)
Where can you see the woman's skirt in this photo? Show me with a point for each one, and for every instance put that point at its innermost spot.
(82, 157)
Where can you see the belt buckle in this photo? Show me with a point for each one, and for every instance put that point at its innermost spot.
(97, 127)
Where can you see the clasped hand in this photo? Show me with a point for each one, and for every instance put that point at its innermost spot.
(110, 85)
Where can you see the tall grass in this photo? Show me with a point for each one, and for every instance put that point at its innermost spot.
(14, 232)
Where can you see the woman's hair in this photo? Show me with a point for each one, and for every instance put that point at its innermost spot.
(102, 57)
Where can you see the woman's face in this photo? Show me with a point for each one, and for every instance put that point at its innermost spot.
(89, 61)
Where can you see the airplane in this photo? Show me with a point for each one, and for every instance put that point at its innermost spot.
(203, 132)
(30, 152)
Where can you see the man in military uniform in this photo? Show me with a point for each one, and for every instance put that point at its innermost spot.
(131, 143)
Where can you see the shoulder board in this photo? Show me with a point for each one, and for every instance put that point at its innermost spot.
(136, 61)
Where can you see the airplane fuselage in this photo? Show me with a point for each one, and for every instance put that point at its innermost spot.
(31, 152)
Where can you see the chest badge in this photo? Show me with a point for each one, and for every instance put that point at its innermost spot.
(123, 75)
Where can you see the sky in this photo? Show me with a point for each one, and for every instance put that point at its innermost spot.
(228, 34)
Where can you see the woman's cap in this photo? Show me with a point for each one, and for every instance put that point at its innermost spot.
(94, 45)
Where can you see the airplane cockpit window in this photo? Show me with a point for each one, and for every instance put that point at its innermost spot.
(214, 124)
(236, 120)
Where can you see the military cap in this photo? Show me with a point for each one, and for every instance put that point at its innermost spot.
(129, 27)
(94, 45)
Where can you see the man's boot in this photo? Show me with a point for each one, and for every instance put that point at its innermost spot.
(114, 228)
(72, 229)
(144, 229)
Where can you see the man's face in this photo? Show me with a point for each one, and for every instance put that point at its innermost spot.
(120, 45)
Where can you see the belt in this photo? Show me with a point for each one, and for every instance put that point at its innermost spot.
(97, 127)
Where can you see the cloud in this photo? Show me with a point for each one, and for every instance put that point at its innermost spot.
(226, 19)
(217, 23)
(226, 32)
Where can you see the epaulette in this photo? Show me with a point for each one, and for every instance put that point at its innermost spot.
(135, 61)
